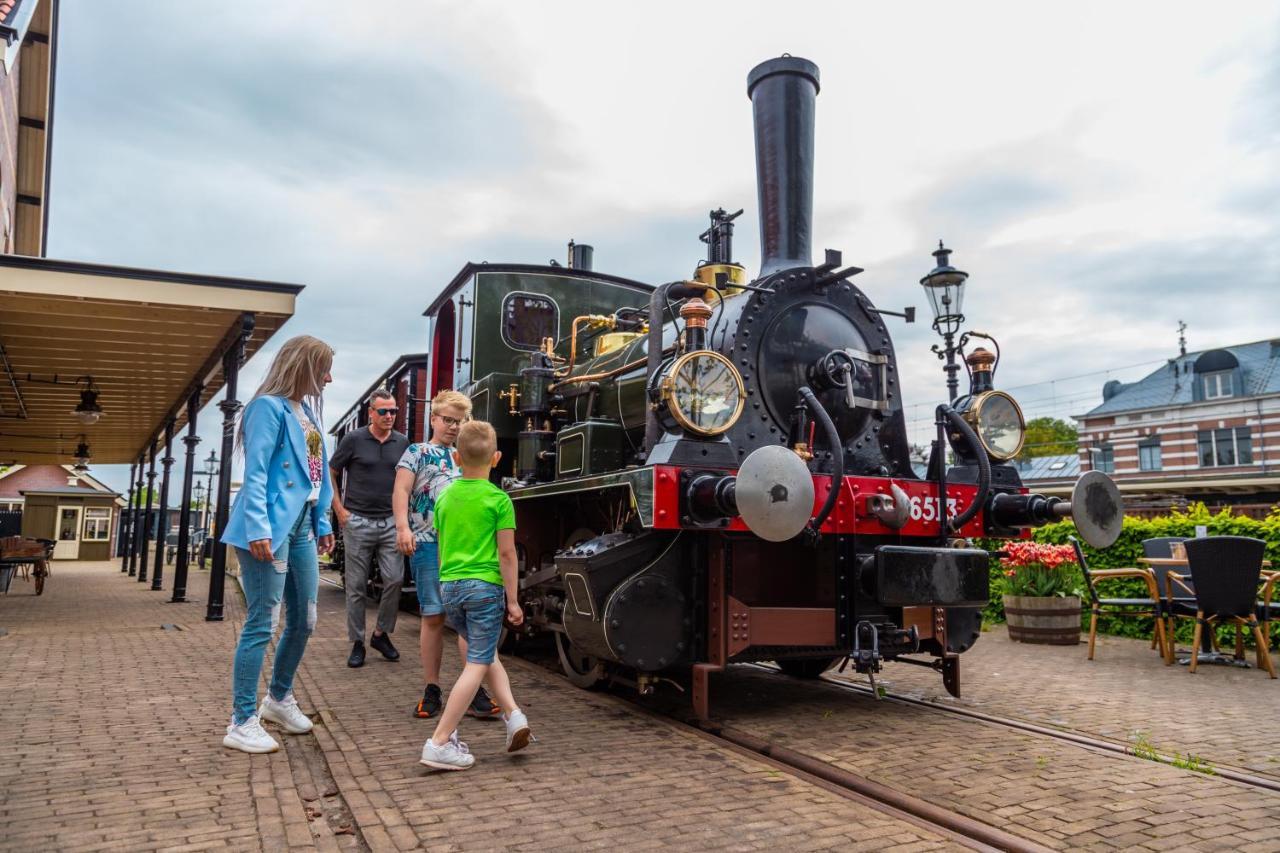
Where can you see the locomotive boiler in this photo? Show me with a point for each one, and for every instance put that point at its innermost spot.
(717, 469)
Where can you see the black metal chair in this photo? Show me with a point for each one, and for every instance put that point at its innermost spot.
(1161, 548)
(1143, 607)
(1226, 571)
(1269, 606)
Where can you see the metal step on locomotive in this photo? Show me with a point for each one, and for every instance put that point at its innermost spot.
(717, 470)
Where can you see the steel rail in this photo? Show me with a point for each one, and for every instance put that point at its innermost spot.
(1232, 773)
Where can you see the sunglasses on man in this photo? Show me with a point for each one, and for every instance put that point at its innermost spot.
(384, 412)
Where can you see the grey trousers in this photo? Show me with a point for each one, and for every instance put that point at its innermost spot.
(368, 540)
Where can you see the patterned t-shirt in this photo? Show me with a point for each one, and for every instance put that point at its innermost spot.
(315, 449)
(433, 470)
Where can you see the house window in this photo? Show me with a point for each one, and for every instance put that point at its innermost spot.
(97, 524)
(527, 318)
(1104, 459)
(1221, 447)
(1149, 454)
(1217, 384)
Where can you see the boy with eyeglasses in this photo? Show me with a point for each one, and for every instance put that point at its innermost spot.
(422, 475)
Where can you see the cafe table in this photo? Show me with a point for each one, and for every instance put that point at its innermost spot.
(1207, 654)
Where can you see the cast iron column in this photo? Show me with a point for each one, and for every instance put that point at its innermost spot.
(184, 514)
(162, 538)
(147, 517)
(126, 524)
(137, 524)
(230, 406)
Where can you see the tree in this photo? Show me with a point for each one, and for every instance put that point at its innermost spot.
(1049, 437)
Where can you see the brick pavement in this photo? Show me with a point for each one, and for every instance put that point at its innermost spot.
(1056, 793)
(114, 729)
(1226, 715)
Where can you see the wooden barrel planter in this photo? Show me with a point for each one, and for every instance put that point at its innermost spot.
(1047, 620)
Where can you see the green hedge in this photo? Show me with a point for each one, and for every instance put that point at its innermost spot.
(1126, 551)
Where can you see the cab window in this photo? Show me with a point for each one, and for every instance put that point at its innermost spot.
(527, 318)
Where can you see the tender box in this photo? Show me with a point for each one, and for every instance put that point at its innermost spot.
(908, 576)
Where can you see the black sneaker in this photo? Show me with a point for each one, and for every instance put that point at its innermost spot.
(382, 642)
(482, 707)
(430, 703)
(357, 656)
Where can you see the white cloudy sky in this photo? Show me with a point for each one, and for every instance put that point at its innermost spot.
(1102, 170)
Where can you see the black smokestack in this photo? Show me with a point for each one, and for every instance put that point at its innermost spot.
(782, 93)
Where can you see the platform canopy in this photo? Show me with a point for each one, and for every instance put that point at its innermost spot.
(144, 340)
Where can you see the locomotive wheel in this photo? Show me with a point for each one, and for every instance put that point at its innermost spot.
(806, 667)
(582, 670)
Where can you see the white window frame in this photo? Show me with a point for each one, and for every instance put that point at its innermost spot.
(1235, 448)
(96, 514)
(1217, 385)
(1145, 448)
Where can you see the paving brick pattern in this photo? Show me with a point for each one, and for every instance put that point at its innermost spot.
(1225, 715)
(1059, 794)
(113, 742)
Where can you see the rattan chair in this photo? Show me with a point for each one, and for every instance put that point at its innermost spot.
(1143, 607)
(1226, 571)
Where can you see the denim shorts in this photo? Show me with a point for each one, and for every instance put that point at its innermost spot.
(474, 608)
(425, 565)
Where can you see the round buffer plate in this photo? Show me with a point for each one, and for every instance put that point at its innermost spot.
(774, 493)
(1097, 509)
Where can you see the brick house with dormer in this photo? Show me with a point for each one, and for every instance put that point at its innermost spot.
(1205, 426)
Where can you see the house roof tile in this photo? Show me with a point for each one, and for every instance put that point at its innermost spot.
(1171, 384)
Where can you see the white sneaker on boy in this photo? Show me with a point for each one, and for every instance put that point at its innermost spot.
(249, 736)
(454, 755)
(285, 713)
(518, 734)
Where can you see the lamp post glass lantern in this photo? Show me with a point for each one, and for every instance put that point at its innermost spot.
(944, 287)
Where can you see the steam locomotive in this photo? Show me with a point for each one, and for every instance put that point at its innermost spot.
(717, 470)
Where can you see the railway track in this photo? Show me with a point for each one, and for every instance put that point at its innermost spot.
(1235, 774)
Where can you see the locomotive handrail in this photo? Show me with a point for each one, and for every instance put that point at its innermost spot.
(837, 463)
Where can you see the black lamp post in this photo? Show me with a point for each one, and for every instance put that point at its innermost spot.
(944, 286)
(210, 468)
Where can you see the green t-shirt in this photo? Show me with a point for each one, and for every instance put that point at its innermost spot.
(468, 517)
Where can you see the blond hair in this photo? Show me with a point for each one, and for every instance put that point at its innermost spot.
(296, 373)
(477, 442)
(450, 398)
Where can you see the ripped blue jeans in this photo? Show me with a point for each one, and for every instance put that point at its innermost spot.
(292, 578)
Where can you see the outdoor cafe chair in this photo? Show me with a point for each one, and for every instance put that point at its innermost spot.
(1142, 607)
(1161, 547)
(1225, 571)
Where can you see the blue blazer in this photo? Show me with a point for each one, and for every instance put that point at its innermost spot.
(276, 478)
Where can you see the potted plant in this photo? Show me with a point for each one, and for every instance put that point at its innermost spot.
(1042, 593)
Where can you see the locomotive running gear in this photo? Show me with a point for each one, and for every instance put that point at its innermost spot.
(249, 736)
(475, 609)
(356, 658)
(518, 734)
(285, 713)
(425, 565)
(382, 642)
(468, 516)
(430, 703)
(482, 707)
(454, 755)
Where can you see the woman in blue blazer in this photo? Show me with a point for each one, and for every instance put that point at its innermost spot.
(278, 525)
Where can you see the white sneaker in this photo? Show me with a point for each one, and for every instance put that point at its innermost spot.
(454, 755)
(249, 736)
(518, 734)
(285, 713)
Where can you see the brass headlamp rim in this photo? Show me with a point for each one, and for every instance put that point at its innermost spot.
(667, 390)
(973, 415)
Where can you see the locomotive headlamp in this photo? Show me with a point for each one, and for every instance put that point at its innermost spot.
(997, 419)
(703, 392)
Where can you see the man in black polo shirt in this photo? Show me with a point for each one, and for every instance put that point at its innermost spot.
(363, 510)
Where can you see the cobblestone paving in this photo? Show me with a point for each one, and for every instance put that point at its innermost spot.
(1226, 715)
(113, 742)
(1056, 793)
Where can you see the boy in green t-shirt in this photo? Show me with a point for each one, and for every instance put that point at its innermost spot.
(475, 524)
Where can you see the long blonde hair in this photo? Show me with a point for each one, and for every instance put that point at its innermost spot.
(297, 372)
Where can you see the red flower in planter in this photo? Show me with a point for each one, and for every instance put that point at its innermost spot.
(1040, 570)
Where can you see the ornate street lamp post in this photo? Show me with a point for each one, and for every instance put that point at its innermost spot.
(210, 468)
(944, 286)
